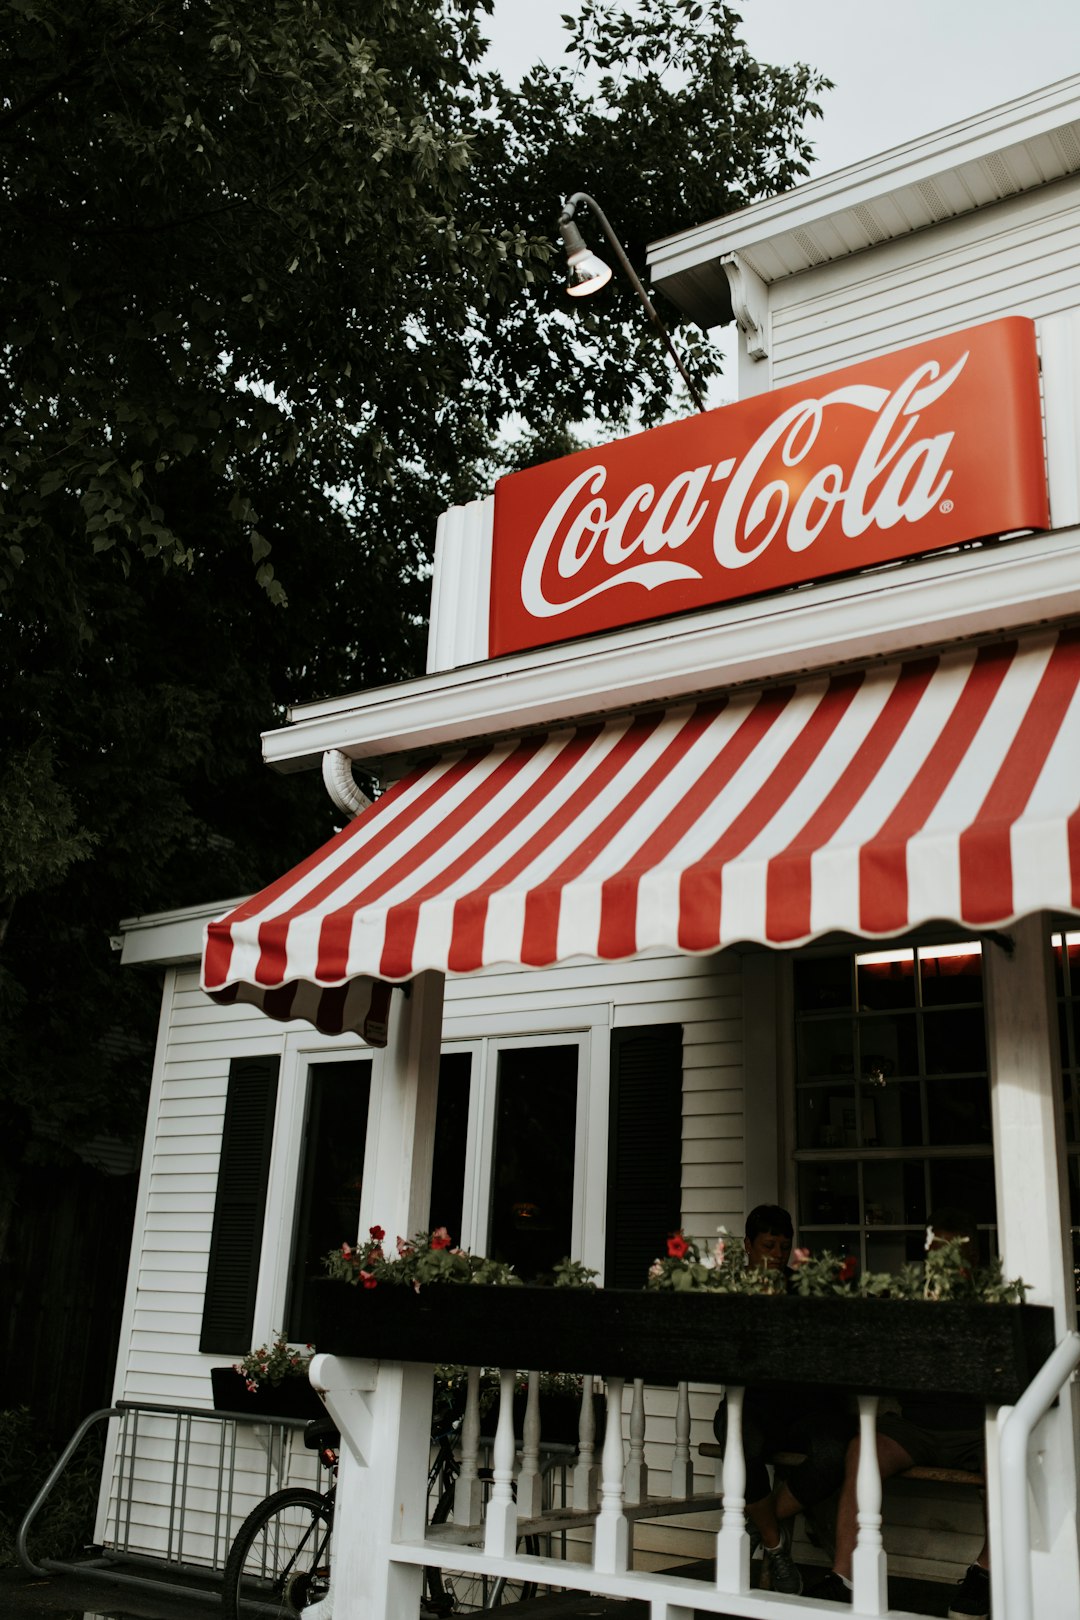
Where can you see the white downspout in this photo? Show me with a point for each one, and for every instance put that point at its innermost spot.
(340, 783)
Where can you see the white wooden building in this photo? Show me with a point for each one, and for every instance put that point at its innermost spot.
(776, 1040)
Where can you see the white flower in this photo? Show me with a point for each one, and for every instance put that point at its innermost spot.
(929, 1238)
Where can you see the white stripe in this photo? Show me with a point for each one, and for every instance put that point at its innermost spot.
(1042, 875)
(933, 855)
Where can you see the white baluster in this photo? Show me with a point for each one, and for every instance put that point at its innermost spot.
(468, 1492)
(732, 1541)
(682, 1467)
(530, 1485)
(586, 1472)
(611, 1550)
(636, 1477)
(869, 1569)
(500, 1534)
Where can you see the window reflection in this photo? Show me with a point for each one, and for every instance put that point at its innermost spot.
(533, 1173)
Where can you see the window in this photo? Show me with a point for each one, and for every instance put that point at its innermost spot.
(644, 1199)
(1067, 980)
(331, 1176)
(451, 1143)
(533, 1162)
(892, 1098)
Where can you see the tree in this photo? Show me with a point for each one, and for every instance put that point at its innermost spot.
(276, 273)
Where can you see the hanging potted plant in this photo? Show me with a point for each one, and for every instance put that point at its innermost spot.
(271, 1381)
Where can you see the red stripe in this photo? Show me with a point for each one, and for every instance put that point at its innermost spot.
(218, 954)
(986, 875)
(701, 885)
(788, 884)
(883, 888)
(336, 930)
(403, 918)
(619, 893)
(470, 912)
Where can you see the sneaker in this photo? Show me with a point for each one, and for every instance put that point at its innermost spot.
(971, 1599)
(832, 1589)
(779, 1571)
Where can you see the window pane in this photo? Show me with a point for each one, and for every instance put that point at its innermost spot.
(828, 1195)
(955, 1042)
(895, 1192)
(888, 1046)
(331, 1177)
(533, 1176)
(968, 1183)
(892, 1114)
(888, 1251)
(827, 1047)
(958, 1112)
(951, 974)
(451, 1139)
(822, 1113)
(886, 979)
(822, 982)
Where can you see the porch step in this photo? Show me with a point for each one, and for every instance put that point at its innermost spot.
(941, 1476)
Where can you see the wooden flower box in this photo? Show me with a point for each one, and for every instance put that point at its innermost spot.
(291, 1398)
(873, 1346)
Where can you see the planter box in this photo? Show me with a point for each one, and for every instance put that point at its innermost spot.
(292, 1398)
(873, 1346)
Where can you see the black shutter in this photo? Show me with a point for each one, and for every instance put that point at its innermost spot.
(644, 1150)
(236, 1239)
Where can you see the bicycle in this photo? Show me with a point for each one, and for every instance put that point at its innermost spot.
(279, 1562)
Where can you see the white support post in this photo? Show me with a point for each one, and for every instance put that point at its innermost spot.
(869, 1569)
(530, 1485)
(586, 1472)
(500, 1535)
(1033, 1227)
(636, 1476)
(732, 1541)
(611, 1548)
(468, 1491)
(381, 1494)
(682, 1466)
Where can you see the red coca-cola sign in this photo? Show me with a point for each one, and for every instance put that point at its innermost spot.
(908, 453)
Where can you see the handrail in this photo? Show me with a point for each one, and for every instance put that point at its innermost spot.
(1016, 1432)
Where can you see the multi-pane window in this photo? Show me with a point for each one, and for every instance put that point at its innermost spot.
(532, 1181)
(892, 1098)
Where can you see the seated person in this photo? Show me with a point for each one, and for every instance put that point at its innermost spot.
(939, 1431)
(784, 1419)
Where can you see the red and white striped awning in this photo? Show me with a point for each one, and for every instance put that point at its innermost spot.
(945, 787)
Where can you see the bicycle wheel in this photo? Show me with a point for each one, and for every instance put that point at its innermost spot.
(279, 1563)
(449, 1591)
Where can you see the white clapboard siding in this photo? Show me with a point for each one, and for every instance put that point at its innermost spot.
(1018, 258)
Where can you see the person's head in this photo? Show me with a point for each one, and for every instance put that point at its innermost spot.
(769, 1236)
(950, 1221)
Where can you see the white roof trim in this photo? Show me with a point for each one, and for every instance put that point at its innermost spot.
(1024, 144)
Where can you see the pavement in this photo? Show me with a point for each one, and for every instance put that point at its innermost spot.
(86, 1597)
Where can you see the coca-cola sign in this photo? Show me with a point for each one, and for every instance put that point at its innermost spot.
(904, 454)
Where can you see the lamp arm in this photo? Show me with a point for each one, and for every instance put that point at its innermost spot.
(631, 274)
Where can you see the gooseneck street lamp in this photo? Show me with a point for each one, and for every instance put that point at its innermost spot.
(587, 273)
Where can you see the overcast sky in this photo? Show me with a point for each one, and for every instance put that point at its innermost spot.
(901, 68)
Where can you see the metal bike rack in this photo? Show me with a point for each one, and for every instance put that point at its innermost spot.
(119, 1561)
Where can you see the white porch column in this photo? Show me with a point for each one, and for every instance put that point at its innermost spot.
(1033, 1218)
(382, 1478)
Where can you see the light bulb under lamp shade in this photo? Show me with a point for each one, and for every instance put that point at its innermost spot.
(586, 274)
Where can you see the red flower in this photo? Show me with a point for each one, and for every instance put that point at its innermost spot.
(346, 1251)
(377, 1234)
(676, 1246)
(848, 1269)
(369, 1279)
(440, 1238)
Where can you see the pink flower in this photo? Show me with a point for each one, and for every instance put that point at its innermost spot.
(718, 1251)
(676, 1246)
(346, 1252)
(440, 1238)
(403, 1248)
(251, 1385)
(416, 1285)
(377, 1233)
(369, 1279)
(798, 1258)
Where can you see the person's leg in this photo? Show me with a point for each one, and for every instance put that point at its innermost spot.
(892, 1459)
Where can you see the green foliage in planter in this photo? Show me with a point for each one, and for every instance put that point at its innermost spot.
(429, 1257)
(271, 1363)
